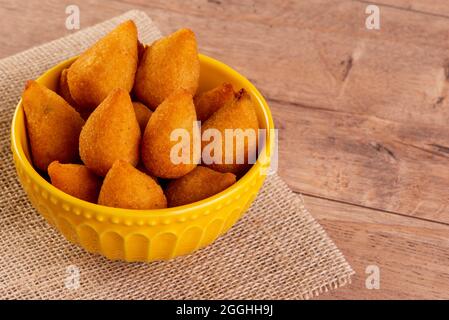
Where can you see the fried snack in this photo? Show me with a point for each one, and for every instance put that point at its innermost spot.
(142, 168)
(53, 126)
(110, 63)
(64, 90)
(240, 114)
(111, 133)
(76, 180)
(143, 114)
(168, 65)
(176, 112)
(210, 101)
(197, 185)
(126, 187)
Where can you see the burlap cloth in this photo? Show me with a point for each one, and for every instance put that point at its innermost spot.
(276, 251)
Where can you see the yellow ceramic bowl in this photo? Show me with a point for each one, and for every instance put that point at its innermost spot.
(144, 235)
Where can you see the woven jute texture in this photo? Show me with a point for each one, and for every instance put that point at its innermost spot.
(276, 251)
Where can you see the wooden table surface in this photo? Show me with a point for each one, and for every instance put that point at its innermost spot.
(363, 114)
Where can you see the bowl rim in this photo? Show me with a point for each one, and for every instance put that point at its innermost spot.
(263, 158)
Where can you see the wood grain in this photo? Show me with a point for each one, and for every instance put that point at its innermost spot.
(364, 159)
(411, 254)
(362, 114)
(435, 7)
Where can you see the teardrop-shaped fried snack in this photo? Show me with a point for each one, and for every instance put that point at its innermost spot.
(143, 114)
(240, 114)
(64, 89)
(126, 187)
(53, 126)
(110, 63)
(111, 133)
(168, 65)
(210, 101)
(197, 185)
(76, 180)
(177, 112)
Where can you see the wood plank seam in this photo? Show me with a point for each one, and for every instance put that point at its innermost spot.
(380, 4)
(370, 208)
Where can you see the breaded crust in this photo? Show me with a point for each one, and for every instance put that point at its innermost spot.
(168, 65)
(111, 133)
(176, 112)
(110, 63)
(76, 180)
(240, 114)
(53, 126)
(126, 187)
(199, 184)
(210, 101)
(143, 114)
